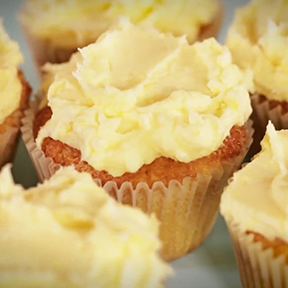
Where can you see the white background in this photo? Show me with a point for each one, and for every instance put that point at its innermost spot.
(211, 265)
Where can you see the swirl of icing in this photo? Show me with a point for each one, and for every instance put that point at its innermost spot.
(258, 40)
(257, 197)
(68, 232)
(78, 23)
(137, 94)
(10, 85)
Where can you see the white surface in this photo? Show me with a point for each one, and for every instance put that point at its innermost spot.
(211, 265)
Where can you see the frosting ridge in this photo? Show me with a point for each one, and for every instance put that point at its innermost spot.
(84, 21)
(167, 98)
(258, 39)
(10, 86)
(256, 198)
(66, 231)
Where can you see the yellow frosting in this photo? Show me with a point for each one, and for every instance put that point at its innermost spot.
(257, 198)
(78, 23)
(153, 95)
(10, 85)
(68, 232)
(258, 39)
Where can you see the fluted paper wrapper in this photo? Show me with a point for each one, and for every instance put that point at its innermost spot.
(258, 267)
(187, 210)
(260, 117)
(9, 138)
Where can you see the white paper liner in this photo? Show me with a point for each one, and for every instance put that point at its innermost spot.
(43, 165)
(260, 117)
(258, 268)
(187, 210)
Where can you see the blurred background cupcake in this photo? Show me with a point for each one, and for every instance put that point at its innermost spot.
(14, 94)
(258, 40)
(162, 127)
(67, 232)
(254, 206)
(55, 29)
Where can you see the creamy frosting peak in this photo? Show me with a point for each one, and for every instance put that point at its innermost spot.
(257, 198)
(68, 232)
(10, 86)
(258, 39)
(10, 54)
(137, 94)
(78, 23)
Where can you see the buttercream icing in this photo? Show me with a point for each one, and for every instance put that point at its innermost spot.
(137, 94)
(78, 23)
(68, 232)
(256, 199)
(258, 40)
(10, 85)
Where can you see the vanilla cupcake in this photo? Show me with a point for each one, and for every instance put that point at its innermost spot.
(258, 40)
(254, 206)
(56, 29)
(67, 232)
(162, 127)
(14, 94)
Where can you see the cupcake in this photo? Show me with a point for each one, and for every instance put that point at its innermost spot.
(258, 41)
(162, 127)
(67, 232)
(254, 206)
(56, 29)
(14, 94)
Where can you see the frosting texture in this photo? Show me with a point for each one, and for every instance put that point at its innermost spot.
(68, 232)
(258, 40)
(78, 23)
(154, 95)
(257, 196)
(10, 85)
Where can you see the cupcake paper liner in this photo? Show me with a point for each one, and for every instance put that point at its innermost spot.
(258, 267)
(187, 210)
(10, 128)
(44, 166)
(260, 117)
(263, 113)
(9, 138)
